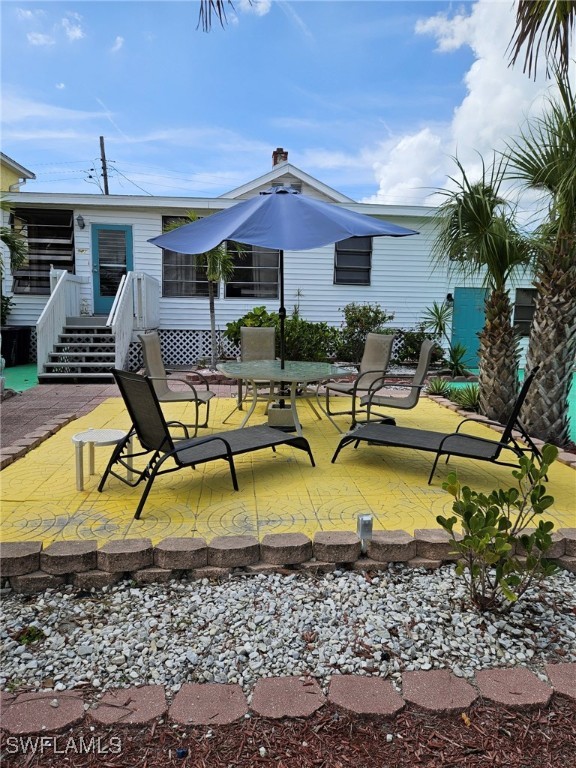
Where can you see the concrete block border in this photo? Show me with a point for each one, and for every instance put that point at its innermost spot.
(214, 704)
(29, 568)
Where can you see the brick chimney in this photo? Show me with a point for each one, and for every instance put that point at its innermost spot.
(279, 156)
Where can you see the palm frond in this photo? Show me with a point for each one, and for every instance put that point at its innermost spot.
(210, 9)
(475, 229)
(543, 22)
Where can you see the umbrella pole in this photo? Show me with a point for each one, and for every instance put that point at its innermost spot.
(282, 311)
(282, 315)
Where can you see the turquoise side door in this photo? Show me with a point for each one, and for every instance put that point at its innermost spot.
(468, 321)
(111, 259)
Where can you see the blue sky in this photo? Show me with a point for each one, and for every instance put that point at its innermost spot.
(372, 98)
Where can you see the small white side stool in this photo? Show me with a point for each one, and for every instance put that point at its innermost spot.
(92, 437)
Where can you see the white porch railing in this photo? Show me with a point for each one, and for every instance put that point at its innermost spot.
(64, 301)
(135, 307)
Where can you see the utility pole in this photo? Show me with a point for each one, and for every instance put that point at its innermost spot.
(104, 166)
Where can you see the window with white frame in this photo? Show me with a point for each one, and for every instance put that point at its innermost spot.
(524, 305)
(183, 274)
(353, 261)
(256, 272)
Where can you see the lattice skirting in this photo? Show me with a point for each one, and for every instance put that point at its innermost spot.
(183, 347)
(188, 347)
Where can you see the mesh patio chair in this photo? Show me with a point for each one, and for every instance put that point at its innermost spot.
(454, 443)
(159, 375)
(153, 433)
(255, 344)
(373, 366)
(410, 397)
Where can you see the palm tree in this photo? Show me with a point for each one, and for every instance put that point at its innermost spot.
(477, 236)
(219, 265)
(548, 21)
(543, 158)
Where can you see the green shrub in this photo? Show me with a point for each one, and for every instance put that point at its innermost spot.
(359, 321)
(439, 387)
(493, 527)
(256, 318)
(304, 340)
(467, 397)
(6, 308)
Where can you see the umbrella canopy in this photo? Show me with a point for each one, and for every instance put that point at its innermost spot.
(279, 218)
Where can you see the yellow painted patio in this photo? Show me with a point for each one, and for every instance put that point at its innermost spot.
(279, 492)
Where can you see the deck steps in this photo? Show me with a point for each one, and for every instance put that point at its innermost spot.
(84, 353)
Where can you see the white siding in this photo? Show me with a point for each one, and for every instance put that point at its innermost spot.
(403, 281)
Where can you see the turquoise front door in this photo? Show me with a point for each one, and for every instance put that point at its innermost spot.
(468, 321)
(111, 259)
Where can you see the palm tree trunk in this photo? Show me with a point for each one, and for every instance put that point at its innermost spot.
(213, 342)
(499, 357)
(552, 346)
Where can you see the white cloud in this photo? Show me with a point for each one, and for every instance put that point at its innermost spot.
(72, 27)
(259, 7)
(18, 109)
(498, 99)
(60, 86)
(39, 39)
(118, 43)
(24, 14)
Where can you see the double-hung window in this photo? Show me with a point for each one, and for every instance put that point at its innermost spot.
(256, 272)
(353, 261)
(183, 274)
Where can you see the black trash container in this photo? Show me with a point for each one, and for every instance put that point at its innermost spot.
(15, 345)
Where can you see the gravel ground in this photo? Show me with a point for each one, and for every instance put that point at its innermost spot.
(248, 627)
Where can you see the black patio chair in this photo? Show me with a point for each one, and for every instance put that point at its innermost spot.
(455, 443)
(153, 433)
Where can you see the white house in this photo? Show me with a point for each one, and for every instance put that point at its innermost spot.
(101, 242)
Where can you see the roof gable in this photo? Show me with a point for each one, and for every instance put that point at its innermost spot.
(287, 174)
(23, 173)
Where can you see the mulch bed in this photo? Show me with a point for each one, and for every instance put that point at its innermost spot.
(484, 737)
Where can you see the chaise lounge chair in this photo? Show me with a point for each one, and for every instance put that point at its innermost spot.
(154, 436)
(452, 444)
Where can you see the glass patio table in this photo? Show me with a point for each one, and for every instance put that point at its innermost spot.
(294, 374)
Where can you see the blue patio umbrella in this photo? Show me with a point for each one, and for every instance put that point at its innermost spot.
(281, 218)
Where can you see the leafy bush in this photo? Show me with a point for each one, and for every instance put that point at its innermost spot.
(359, 321)
(467, 397)
(439, 387)
(6, 308)
(304, 340)
(256, 318)
(495, 527)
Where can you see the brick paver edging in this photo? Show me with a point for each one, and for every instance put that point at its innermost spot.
(213, 704)
(31, 568)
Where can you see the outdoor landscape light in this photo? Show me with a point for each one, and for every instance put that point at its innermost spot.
(364, 530)
(80, 221)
